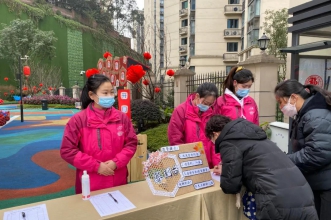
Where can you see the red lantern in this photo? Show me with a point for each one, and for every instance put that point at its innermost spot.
(25, 88)
(12, 91)
(40, 84)
(157, 89)
(135, 73)
(50, 88)
(91, 72)
(107, 54)
(147, 56)
(6, 79)
(5, 94)
(170, 73)
(146, 82)
(26, 71)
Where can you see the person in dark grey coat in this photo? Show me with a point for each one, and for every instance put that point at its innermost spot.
(310, 137)
(250, 159)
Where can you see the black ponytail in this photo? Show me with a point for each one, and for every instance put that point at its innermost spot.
(239, 74)
(292, 86)
(92, 84)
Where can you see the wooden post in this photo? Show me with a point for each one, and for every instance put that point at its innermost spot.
(135, 166)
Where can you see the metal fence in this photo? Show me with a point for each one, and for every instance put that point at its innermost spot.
(217, 78)
(167, 93)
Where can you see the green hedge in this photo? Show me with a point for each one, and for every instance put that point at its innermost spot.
(157, 137)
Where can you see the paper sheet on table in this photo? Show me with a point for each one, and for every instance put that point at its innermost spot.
(105, 204)
(35, 212)
(215, 177)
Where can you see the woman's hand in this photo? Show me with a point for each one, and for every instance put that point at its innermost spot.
(112, 164)
(105, 169)
(218, 170)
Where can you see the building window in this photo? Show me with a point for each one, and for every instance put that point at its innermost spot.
(184, 4)
(192, 50)
(228, 68)
(184, 23)
(232, 47)
(234, 2)
(184, 41)
(193, 4)
(192, 68)
(242, 43)
(161, 64)
(233, 23)
(185, 57)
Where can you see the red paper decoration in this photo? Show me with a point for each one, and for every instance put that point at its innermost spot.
(40, 84)
(170, 73)
(135, 73)
(6, 79)
(147, 56)
(146, 82)
(157, 89)
(26, 71)
(107, 54)
(25, 88)
(91, 72)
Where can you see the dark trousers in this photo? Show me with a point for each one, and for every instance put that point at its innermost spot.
(323, 204)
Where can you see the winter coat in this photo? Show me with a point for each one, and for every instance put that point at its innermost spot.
(229, 105)
(90, 139)
(187, 125)
(250, 159)
(311, 142)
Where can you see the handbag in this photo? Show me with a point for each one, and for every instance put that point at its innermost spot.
(249, 205)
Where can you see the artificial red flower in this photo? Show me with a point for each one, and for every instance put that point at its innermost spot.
(157, 89)
(6, 79)
(146, 82)
(147, 56)
(40, 84)
(170, 73)
(107, 54)
(91, 72)
(135, 73)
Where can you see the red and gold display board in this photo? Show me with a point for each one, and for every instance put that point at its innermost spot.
(115, 68)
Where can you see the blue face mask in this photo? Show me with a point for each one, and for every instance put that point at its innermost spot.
(106, 101)
(202, 107)
(242, 92)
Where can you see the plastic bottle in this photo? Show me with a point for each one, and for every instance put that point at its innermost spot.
(85, 186)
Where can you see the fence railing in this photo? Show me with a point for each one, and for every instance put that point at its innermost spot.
(217, 78)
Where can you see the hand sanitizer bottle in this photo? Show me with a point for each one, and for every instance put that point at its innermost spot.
(85, 186)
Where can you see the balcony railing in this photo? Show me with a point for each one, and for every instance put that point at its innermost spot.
(232, 33)
(183, 12)
(183, 30)
(183, 49)
(230, 57)
(233, 9)
(161, 4)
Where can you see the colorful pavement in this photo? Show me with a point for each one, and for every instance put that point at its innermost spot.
(31, 167)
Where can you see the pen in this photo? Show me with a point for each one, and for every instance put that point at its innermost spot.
(23, 215)
(112, 197)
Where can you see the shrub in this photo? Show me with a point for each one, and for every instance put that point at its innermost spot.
(157, 137)
(55, 99)
(144, 110)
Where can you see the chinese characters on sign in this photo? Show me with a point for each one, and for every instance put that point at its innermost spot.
(124, 101)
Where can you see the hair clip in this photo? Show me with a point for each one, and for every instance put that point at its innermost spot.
(239, 68)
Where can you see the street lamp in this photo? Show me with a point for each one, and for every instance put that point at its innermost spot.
(263, 42)
(19, 77)
(182, 62)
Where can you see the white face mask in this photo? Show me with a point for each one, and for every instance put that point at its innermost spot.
(289, 109)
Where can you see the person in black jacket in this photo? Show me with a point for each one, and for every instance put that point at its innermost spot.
(250, 159)
(310, 135)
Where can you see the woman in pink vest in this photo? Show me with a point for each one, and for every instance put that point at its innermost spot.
(189, 119)
(235, 101)
(99, 139)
